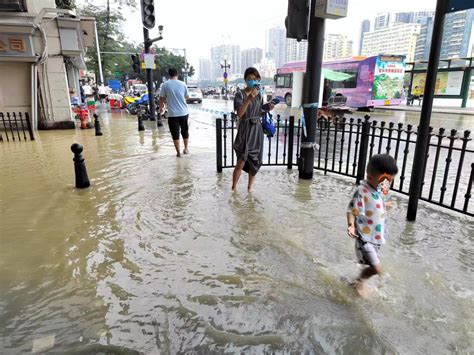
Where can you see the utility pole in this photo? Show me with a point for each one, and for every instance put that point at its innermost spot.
(225, 66)
(314, 63)
(423, 139)
(149, 77)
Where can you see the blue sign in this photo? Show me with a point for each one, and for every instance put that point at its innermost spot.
(459, 5)
(225, 75)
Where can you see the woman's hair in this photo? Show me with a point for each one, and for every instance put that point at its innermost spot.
(252, 71)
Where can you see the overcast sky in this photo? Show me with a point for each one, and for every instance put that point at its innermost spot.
(200, 24)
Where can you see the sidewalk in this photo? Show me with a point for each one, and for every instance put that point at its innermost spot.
(449, 110)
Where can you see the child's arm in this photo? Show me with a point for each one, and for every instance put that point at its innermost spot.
(351, 229)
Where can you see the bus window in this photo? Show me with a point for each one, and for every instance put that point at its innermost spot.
(289, 81)
(346, 84)
(280, 82)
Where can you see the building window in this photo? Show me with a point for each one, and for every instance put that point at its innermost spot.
(13, 6)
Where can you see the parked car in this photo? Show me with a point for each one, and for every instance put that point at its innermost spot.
(195, 95)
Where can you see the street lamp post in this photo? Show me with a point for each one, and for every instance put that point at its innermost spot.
(225, 66)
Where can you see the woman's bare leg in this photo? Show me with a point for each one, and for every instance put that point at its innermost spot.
(251, 181)
(237, 173)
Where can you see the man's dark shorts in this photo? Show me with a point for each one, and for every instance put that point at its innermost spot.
(177, 123)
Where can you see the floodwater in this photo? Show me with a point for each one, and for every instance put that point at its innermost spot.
(158, 256)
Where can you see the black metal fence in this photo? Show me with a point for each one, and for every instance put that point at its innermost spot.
(346, 145)
(15, 126)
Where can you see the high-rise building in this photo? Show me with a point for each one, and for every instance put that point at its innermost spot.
(251, 57)
(422, 50)
(382, 20)
(364, 28)
(219, 54)
(267, 68)
(275, 46)
(204, 69)
(457, 37)
(398, 38)
(296, 51)
(337, 46)
(386, 19)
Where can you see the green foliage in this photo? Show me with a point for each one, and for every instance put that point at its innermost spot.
(66, 4)
(112, 39)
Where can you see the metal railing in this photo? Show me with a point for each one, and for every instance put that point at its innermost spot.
(346, 145)
(14, 126)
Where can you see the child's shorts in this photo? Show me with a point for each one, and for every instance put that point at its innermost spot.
(367, 253)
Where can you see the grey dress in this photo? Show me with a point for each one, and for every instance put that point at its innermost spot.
(248, 144)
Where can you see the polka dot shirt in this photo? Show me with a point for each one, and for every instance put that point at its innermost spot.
(368, 208)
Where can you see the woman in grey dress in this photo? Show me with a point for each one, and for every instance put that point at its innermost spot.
(248, 144)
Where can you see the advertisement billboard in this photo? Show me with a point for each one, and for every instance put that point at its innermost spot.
(388, 77)
(447, 83)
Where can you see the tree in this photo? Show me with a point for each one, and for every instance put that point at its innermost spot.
(112, 39)
(66, 4)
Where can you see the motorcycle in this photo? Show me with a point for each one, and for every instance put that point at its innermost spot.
(137, 104)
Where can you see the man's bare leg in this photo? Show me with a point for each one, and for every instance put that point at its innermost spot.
(186, 140)
(237, 173)
(176, 146)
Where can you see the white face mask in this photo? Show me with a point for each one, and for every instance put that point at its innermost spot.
(384, 186)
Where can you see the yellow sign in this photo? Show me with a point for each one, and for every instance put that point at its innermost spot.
(226, 81)
(142, 64)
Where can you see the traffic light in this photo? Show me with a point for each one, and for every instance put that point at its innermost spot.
(297, 20)
(136, 63)
(148, 13)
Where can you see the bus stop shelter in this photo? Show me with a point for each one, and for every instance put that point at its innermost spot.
(454, 79)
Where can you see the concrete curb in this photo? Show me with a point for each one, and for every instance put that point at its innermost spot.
(448, 110)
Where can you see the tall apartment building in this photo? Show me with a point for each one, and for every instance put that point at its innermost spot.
(364, 28)
(337, 46)
(251, 57)
(386, 19)
(457, 38)
(275, 45)
(296, 51)
(204, 69)
(398, 38)
(222, 52)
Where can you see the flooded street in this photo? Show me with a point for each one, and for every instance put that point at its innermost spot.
(158, 256)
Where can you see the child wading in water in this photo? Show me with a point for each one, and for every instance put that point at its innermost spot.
(366, 216)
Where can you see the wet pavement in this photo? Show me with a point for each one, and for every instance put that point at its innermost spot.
(158, 256)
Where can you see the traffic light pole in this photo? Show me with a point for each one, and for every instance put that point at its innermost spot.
(149, 78)
(425, 117)
(311, 93)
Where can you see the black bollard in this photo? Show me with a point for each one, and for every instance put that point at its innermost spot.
(82, 180)
(141, 127)
(98, 129)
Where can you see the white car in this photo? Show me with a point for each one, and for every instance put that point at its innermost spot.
(195, 95)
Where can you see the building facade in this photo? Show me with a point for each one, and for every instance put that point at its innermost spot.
(296, 51)
(41, 55)
(398, 38)
(275, 45)
(251, 57)
(337, 46)
(364, 28)
(457, 38)
(231, 53)
(267, 68)
(204, 69)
